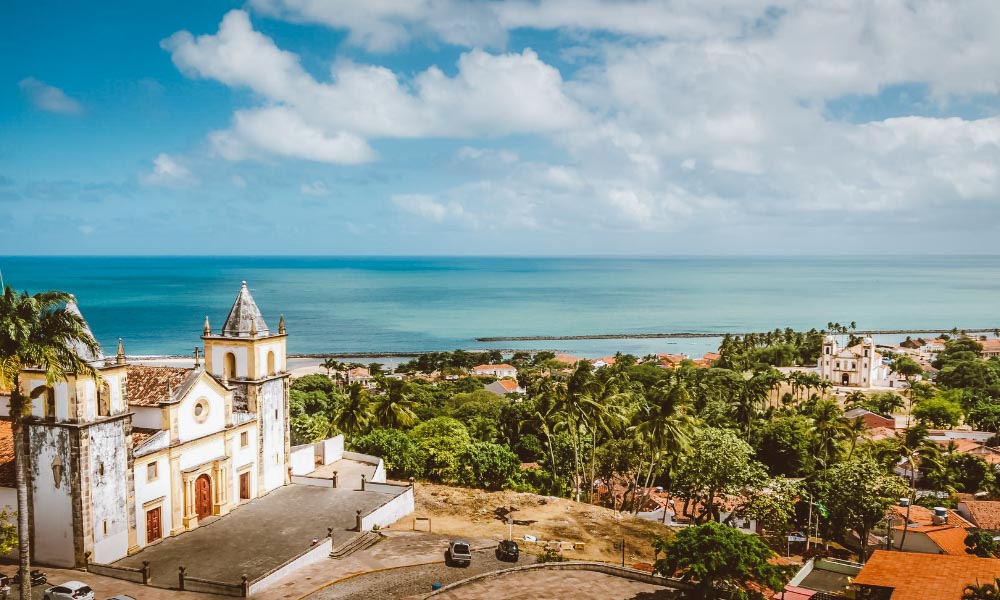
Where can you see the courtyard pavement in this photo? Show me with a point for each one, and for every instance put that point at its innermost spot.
(259, 535)
(349, 472)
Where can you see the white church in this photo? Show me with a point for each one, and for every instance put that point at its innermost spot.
(152, 451)
(857, 366)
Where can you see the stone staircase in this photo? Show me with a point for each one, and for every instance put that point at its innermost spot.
(362, 542)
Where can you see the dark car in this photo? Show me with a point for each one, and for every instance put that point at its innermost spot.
(459, 553)
(508, 550)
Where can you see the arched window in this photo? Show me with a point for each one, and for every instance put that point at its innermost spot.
(270, 363)
(104, 400)
(229, 369)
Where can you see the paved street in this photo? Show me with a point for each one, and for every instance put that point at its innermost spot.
(258, 536)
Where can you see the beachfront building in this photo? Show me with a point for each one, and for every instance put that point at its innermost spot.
(857, 366)
(498, 371)
(146, 452)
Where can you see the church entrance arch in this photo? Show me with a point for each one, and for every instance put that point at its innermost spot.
(845, 379)
(203, 496)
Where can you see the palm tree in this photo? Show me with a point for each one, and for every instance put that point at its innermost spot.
(986, 591)
(910, 370)
(356, 413)
(663, 425)
(395, 407)
(917, 448)
(853, 429)
(37, 331)
(827, 431)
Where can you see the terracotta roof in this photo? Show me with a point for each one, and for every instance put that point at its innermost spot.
(961, 446)
(148, 386)
(141, 434)
(608, 360)
(924, 517)
(492, 367)
(917, 576)
(508, 384)
(567, 359)
(7, 473)
(951, 540)
(985, 513)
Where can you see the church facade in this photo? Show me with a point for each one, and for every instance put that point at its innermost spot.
(146, 452)
(854, 366)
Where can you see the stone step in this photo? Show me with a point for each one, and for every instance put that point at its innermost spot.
(362, 542)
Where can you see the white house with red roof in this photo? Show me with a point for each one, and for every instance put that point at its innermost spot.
(499, 371)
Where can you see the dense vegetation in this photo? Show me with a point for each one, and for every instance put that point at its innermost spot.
(725, 440)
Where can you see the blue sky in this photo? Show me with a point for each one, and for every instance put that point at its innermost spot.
(526, 127)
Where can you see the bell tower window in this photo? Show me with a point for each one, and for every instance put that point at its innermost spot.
(270, 363)
(229, 368)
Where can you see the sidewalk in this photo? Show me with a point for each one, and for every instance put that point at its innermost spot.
(104, 587)
(399, 549)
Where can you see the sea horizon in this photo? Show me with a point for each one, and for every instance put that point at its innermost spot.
(400, 304)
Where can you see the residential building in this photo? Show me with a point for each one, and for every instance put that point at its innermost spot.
(604, 361)
(872, 420)
(499, 371)
(671, 361)
(147, 452)
(360, 375)
(502, 387)
(991, 347)
(984, 514)
(912, 576)
(937, 531)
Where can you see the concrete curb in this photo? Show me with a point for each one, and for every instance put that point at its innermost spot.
(597, 567)
(382, 569)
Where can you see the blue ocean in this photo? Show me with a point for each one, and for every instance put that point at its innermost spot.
(395, 304)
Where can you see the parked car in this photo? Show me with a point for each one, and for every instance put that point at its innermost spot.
(71, 590)
(508, 550)
(459, 553)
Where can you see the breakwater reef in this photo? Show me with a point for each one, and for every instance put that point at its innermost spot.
(716, 334)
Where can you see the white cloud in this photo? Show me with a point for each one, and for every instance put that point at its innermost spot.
(316, 188)
(426, 207)
(49, 98)
(168, 172)
(304, 118)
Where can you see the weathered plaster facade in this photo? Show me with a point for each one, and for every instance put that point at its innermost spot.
(140, 453)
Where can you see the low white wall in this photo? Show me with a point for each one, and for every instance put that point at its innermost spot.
(330, 450)
(303, 460)
(314, 481)
(390, 512)
(379, 475)
(320, 551)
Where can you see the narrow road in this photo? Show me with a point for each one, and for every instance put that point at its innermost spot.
(404, 582)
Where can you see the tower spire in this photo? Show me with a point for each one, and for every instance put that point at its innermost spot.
(281, 325)
(120, 357)
(208, 328)
(253, 329)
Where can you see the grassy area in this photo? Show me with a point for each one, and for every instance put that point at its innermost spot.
(471, 513)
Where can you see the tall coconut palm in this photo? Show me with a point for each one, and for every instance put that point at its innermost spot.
(853, 429)
(917, 448)
(356, 413)
(37, 331)
(827, 431)
(395, 406)
(663, 425)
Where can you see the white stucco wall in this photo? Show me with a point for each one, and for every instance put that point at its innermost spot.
(389, 513)
(219, 352)
(148, 491)
(188, 425)
(193, 455)
(149, 417)
(331, 450)
(271, 414)
(243, 456)
(108, 491)
(52, 507)
(303, 459)
(279, 358)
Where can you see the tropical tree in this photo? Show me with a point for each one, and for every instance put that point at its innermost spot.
(720, 561)
(919, 451)
(910, 370)
(853, 429)
(43, 331)
(331, 365)
(356, 413)
(663, 426)
(394, 408)
(827, 431)
(980, 543)
(985, 591)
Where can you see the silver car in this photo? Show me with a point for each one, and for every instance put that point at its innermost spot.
(459, 553)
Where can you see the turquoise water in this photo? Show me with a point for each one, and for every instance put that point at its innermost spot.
(353, 304)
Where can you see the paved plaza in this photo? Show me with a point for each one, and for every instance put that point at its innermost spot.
(258, 536)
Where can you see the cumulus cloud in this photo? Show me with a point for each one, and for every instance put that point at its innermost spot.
(168, 172)
(427, 207)
(331, 121)
(49, 98)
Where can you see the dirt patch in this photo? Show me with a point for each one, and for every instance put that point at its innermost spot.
(480, 514)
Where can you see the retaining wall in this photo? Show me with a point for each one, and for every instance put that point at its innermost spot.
(320, 551)
(391, 511)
